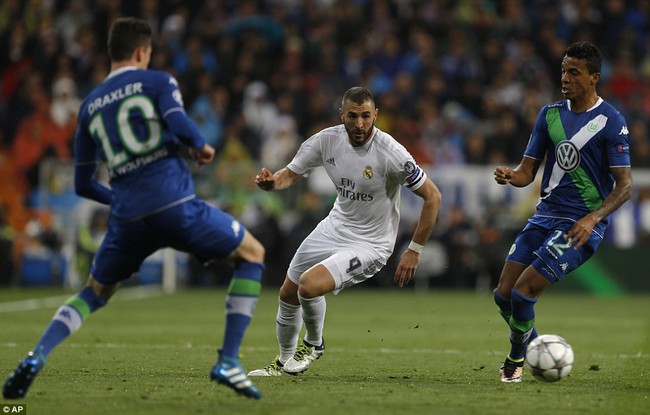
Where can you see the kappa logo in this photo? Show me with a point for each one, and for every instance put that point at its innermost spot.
(331, 161)
(624, 130)
(236, 227)
(564, 266)
(177, 96)
(65, 314)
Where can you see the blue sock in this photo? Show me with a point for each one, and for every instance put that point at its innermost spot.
(504, 304)
(522, 324)
(241, 300)
(68, 319)
(505, 309)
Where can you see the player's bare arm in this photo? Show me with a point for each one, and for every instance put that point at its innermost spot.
(520, 176)
(581, 230)
(279, 180)
(409, 261)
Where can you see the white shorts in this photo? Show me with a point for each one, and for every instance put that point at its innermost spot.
(349, 263)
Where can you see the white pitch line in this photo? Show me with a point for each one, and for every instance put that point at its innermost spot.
(381, 350)
(126, 294)
(163, 346)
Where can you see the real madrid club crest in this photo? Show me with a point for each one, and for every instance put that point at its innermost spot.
(367, 173)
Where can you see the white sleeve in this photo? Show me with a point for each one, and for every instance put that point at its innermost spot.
(309, 155)
(405, 169)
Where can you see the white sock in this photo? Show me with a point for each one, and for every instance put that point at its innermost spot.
(287, 326)
(313, 315)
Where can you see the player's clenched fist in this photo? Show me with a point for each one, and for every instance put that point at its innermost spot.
(503, 174)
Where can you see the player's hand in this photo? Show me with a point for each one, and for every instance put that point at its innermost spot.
(502, 174)
(408, 263)
(581, 231)
(204, 155)
(265, 180)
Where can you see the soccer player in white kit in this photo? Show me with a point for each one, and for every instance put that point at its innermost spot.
(368, 168)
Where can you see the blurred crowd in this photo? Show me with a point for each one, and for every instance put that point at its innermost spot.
(457, 82)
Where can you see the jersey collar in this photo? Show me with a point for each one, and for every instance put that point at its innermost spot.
(598, 102)
(121, 70)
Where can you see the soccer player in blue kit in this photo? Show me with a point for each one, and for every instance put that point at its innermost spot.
(135, 122)
(587, 176)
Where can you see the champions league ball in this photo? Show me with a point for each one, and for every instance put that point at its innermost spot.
(549, 357)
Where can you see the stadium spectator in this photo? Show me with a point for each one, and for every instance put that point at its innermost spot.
(209, 110)
(7, 236)
(46, 131)
(88, 239)
(152, 202)
(258, 109)
(640, 134)
(280, 144)
(349, 246)
(586, 178)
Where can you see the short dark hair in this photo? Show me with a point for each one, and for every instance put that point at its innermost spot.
(125, 36)
(358, 95)
(587, 51)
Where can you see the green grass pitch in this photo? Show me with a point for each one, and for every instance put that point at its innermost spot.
(388, 352)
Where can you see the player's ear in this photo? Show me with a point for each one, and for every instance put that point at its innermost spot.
(595, 77)
(140, 53)
(137, 55)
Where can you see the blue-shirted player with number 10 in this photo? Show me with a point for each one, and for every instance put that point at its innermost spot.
(135, 122)
(587, 176)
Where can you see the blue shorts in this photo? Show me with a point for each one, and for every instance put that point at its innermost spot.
(194, 227)
(542, 245)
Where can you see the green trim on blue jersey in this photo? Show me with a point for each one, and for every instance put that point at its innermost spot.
(580, 179)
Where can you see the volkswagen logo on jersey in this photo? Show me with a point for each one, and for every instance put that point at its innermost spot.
(567, 156)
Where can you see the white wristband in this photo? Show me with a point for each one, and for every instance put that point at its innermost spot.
(416, 247)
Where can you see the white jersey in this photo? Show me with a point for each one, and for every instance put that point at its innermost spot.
(367, 180)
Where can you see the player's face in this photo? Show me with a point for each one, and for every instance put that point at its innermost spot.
(359, 121)
(577, 82)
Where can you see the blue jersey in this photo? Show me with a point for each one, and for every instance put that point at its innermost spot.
(580, 149)
(133, 122)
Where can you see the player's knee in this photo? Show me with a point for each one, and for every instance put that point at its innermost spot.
(309, 288)
(502, 290)
(307, 291)
(251, 249)
(102, 290)
(258, 252)
(289, 294)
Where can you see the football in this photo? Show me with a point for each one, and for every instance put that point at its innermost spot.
(549, 357)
